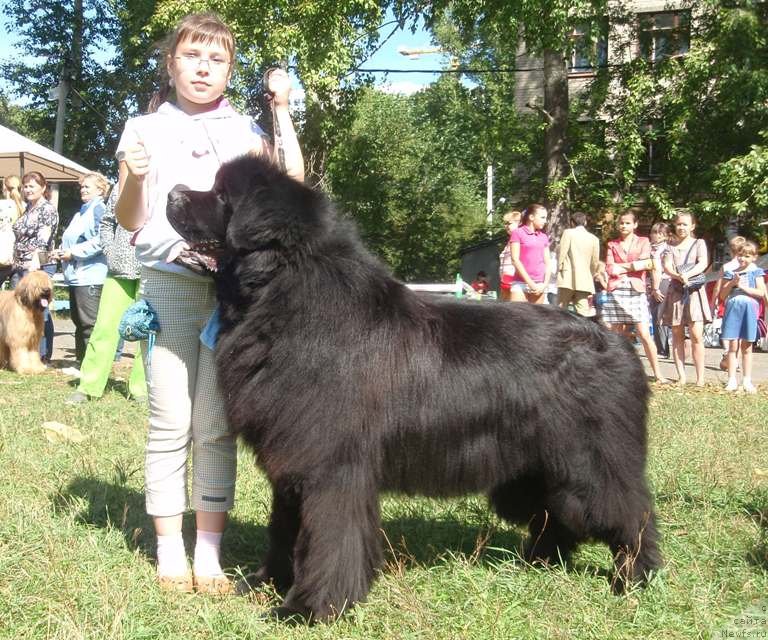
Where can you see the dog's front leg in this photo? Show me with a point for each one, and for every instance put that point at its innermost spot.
(26, 362)
(338, 548)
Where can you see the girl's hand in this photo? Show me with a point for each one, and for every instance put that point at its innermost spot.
(137, 161)
(279, 85)
(658, 295)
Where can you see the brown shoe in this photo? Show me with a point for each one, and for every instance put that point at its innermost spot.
(180, 584)
(219, 585)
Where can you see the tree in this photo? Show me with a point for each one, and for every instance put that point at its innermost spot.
(403, 180)
(103, 64)
(488, 35)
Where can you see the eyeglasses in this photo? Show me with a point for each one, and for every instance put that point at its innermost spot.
(192, 62)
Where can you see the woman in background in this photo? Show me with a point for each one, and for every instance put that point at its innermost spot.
(35, 232)
(84, 264)
(686, 306)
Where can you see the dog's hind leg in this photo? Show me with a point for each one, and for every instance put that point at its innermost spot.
(523, 501)
(284, 522)
(634, 545)
(338, 547)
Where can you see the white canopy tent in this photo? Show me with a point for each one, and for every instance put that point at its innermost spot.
(19, 155)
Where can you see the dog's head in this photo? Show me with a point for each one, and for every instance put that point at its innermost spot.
(253, 206)
(35, 290)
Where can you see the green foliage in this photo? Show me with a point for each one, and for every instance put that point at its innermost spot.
(706, 114)
(408, 180)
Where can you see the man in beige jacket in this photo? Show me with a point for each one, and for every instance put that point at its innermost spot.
(577, 262)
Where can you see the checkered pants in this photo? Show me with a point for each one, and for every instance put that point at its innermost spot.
(185, 405)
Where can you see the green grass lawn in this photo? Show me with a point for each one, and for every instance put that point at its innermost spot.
(76, 549)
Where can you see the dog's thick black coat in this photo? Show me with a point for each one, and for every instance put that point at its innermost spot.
(345, 383)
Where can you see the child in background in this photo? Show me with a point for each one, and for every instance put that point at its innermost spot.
(742, 291)
(734, 246)
(659, 283)
(185, 142)
(480, 283)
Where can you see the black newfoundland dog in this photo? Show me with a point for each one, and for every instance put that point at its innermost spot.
(346, 384)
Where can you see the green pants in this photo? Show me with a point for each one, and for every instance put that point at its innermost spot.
(116, 296)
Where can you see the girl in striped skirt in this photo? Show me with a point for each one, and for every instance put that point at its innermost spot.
(627, 260)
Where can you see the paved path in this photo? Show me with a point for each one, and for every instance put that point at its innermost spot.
(64, 356)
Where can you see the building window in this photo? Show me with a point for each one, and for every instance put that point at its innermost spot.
(590, 46)
(664, 35)
(656, 154)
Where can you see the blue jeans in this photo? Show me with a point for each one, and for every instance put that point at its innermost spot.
(46, 342)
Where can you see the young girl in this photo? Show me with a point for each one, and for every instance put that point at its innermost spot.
(685, 258)
(627, 259)
(742, 290)
(529, 251)
(734, 247)
(185, 142)
(659, 285)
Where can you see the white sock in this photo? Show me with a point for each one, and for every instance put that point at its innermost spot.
(171, 555)
(207, 553)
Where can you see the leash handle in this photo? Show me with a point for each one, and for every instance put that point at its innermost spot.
(277, 134)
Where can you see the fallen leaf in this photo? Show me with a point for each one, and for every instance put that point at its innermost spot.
(57, 432)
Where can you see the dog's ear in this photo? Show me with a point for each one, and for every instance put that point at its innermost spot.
(24, 294)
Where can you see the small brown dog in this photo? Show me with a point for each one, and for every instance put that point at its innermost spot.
(21, 322)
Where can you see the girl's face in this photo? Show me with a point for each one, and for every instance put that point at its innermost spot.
(89, 190)
(539, 219)
(32, 191)
(627, 225)
(746, 259)
(657, 238)
(684, 227)
(200, 73)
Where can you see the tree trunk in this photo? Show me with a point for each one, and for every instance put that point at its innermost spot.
(556, 106)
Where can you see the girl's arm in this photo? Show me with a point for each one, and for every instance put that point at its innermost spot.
(514, 253)
(547, 268)
(723, 288)
(669, 266)
(702, 260)
(716, 290)
(612, 268)
(131, 207)
(758, 291)
(286, 141)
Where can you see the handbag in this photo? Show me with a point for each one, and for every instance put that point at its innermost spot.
(139, 322)
(694, 282)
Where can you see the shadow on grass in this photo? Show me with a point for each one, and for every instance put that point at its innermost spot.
(408, 541)
(114, 505)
